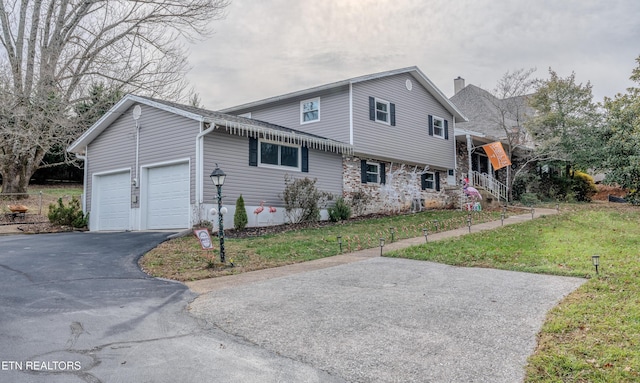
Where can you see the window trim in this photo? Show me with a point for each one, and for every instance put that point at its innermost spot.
(442, 127)
(388, 112)
(280, 145)
(302, 112)
(433, 181)
(378, 178)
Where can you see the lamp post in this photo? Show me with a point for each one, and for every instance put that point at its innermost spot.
(595, 259)
(381, 245)
(218, 177)
(426, 235)
(392, 230)
(436, 223)
(340, 243)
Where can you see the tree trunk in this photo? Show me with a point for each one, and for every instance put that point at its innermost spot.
(15, 179)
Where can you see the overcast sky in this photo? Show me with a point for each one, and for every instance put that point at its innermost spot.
(265, 48)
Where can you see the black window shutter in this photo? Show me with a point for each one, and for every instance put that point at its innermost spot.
(305, 159)
(437, 181)
(446, 129)
(423, 181)
(392, 108)
(253, 151)
(383, 176)
(363, 171)
(372, 109)
(430, 125)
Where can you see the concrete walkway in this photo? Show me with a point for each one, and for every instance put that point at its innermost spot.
(212, 284)
(360, 317)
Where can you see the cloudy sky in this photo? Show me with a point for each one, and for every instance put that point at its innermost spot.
(264, 48)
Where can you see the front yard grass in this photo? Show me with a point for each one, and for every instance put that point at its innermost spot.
(594, 334)
(183, 259)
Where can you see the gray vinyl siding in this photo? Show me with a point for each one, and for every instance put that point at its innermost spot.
(334, 114)
(163, 137)
(409, 140)
(257, 183)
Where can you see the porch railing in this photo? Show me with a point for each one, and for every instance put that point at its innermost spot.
(491, 185)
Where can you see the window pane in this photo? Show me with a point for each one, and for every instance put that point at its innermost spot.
(382, 111)
(268, 153)
(372, 173)
(381, 106)
(289, 156)
(310, 116)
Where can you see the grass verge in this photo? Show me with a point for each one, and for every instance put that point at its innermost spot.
(594, 334)
(183, 259)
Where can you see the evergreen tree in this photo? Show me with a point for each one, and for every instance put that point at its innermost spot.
(240, 218)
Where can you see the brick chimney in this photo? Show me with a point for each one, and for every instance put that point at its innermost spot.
(458, 84)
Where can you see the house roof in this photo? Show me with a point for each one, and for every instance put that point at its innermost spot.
(482, 109)
(233, 124)
(413, 71)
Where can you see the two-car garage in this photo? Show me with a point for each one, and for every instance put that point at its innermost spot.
(164, 199)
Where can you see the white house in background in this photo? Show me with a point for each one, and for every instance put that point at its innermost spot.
(388, 136)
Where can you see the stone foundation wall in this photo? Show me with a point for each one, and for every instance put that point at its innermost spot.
(401, 192)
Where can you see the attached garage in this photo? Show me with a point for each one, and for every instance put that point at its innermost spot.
(165, 197)
(111, 203)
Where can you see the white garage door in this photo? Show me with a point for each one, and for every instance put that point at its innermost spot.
(111, 201)
(167, 197)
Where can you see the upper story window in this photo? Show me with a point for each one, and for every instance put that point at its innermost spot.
(279, 155)
(382, 111)
(310, 110)
(438, 127)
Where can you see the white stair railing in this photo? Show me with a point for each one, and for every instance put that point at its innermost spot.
(490, 184)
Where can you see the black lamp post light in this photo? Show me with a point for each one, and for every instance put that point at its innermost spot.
(381, 245)
(533, 211)
(436, 223)
(595, 259)
(218, 177)
(426, 234)
(340, 243)
(502, 218)
(392, 230)
(469, 223)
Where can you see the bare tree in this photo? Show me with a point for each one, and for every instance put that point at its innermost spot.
(510, 110)
(53, 51)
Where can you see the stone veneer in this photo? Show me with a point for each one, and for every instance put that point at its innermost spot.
(397, 195)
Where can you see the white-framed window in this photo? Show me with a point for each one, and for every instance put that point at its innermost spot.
(438, 127)
(383, 111)
(274, 154)
(373, 172)
(310, 110)
(429, 181)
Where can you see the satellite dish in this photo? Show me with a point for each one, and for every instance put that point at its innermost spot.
(137, 111)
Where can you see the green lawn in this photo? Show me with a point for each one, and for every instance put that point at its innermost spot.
(183, 259)
(594, 334)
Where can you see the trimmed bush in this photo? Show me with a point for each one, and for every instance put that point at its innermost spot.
(302, 199)
(240, 218)
(340, 211)
(583, 187)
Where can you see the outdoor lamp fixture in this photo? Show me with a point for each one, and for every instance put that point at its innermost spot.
(426, 234)
(392, 230)
(595, 259)
(381, 245)
(557, 207)
(532, 212)
(469, 224)
(340, 242)
(436, 223)
(502, 218)
(218, 177)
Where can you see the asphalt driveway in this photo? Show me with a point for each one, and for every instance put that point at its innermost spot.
(76, 308)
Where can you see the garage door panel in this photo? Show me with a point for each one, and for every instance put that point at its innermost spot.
(113, 201)
(168, 197)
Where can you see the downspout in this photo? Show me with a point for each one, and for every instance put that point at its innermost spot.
(85, 173)
(200, 160)
(455, 149)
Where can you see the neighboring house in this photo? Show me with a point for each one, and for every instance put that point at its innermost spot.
(147, 165)
(490, 120)
(399, 124)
